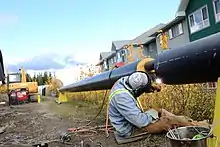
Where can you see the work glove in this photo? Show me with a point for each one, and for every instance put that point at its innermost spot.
(153, 113)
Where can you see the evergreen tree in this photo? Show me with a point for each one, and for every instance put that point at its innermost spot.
(40, 79)
(28, 78)
(45, 77)
(34, 79)
(54, 74)
(50, 76)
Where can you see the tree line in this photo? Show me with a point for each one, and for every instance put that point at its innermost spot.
(40, 78)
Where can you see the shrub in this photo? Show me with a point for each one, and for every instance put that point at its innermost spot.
(192, 100)
(3, 89)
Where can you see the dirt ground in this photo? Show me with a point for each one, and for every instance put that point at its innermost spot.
(43, 122)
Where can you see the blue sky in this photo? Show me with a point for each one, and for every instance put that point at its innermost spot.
(77, 28)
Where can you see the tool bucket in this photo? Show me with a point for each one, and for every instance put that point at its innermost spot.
(191, 136)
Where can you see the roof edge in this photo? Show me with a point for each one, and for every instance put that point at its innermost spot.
(180, 13)
(182, 6)
(170, 24)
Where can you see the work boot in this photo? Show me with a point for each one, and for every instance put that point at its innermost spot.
(137, 131)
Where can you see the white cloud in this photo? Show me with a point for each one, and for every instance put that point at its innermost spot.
(68, 74)
(86, 53)
(89, 57)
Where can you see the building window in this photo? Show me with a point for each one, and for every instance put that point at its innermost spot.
(126, 52)
(114, 59)
(119, 58)
(176, 31)
(105, 65)
(216, 5)
(199, 19)
(123, 54)
(150, 48)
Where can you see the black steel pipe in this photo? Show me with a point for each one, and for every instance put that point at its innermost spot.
(2, 71)
(101, 81)
(196, 62)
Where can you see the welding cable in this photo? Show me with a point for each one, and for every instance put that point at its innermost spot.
(104, 99)
(106, 121)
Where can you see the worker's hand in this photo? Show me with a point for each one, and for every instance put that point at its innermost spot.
(165, 113)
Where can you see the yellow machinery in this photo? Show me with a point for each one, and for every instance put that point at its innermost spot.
(18, 80)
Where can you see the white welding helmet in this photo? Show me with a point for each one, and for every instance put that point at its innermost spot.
(138, 82)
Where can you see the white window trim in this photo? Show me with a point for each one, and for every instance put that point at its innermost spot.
(217, 16)
(205, 6)
(170, 32)
(119, 56)
(105, 65)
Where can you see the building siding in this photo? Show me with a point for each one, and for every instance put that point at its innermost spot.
(177, 41)
(213, 28)
(113, 47)
(150, 50)
(111, 62)
(135, 53)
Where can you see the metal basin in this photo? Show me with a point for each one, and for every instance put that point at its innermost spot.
(191, 136)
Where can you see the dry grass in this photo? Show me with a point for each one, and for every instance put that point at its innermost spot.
(78, 110)
(191, 100)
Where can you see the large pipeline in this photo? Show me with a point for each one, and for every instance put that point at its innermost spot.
(195, 62)
(101, 81)
(2, 71)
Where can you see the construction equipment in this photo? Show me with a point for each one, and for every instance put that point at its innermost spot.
(17, 82)
(18, 96)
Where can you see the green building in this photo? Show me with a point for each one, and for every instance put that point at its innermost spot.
(203, 17)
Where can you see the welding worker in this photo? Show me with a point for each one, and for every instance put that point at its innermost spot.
(124, 113)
